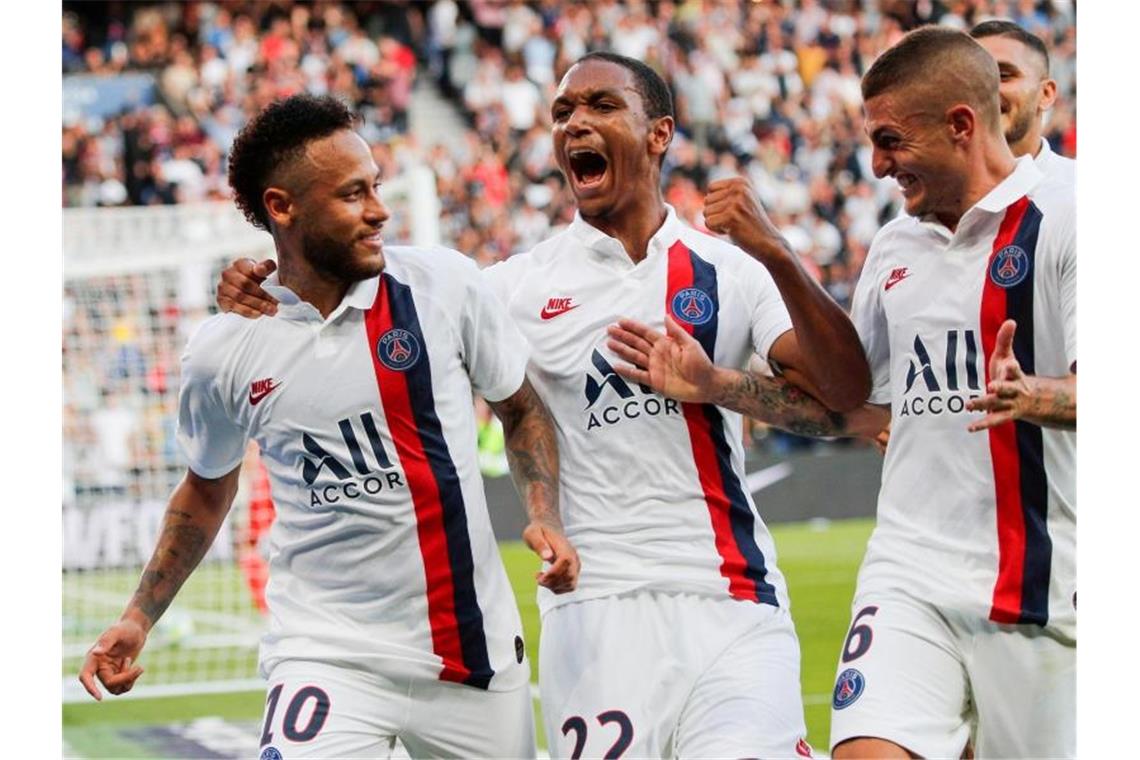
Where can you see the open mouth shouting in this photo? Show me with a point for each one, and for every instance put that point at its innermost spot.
(588, 169)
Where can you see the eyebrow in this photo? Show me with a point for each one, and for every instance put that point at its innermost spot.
(360, 181)
(593, 95)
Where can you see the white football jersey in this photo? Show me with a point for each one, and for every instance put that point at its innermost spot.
(653, 491)
(381, 555)
(984, 522)
(1054, 166)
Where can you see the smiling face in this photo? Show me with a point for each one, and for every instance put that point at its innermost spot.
(915, 148)
(604, 143)
(1025, 92)
(336, 208)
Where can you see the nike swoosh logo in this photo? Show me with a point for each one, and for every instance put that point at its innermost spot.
(892, 283)
(548, 314)
(257, 398)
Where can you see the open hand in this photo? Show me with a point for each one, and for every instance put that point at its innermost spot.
(673, 364)
(1010, 393)
(239, 291)
(555, 549)
(112, 659)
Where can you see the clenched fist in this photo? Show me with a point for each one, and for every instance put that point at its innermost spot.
(732, 208)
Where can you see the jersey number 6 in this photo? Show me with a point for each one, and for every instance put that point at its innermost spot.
(860, 635)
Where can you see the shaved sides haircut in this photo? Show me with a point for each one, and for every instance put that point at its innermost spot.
(943, 67)
(271, 142)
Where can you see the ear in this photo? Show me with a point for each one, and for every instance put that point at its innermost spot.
(660, 135)
(1048, 95)
(962, 122)
(278, 205)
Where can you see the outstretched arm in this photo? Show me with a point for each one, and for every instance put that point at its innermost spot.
(533, 455)
(824, 346)
(676, 365)
(1013, 395)
(195, 513)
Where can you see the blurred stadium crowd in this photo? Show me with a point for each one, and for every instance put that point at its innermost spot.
(765, 89)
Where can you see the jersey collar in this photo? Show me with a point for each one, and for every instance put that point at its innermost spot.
(361, 296)
(1024, 178)
(596, 240)
(1044, 156)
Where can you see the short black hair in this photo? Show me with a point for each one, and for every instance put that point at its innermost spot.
(655, 95)
(1006, 28)
(276, 135)
(941, 65)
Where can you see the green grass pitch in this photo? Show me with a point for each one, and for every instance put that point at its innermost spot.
(820, 562)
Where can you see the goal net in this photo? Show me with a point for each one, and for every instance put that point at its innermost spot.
(137, 282)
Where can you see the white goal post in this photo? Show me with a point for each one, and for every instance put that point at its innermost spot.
(137, 282)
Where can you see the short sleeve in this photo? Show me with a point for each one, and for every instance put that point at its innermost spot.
(211, 441)
(500, 278)
(871, 323)
(1068, 282)
(769, 314)
(496, 352)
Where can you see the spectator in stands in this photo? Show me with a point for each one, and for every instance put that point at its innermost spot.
(769, 89)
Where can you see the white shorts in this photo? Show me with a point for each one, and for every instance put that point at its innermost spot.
(651, 674)
(322, 710)
(930, 681)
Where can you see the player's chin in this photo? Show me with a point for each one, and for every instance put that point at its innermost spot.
(594, 204)
(369, 264)
(915, 204)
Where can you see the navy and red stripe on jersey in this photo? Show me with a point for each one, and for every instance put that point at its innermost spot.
(731, 518)
(441, 516)
(983, 523)
(382, 555)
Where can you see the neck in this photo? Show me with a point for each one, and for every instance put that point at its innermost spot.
(1030, 145)
(317, 288)
(634, 223)
(989, 167)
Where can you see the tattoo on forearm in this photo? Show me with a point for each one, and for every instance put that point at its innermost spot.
(777, 402)
(1055, 406)
(181, 547)
(532, 452)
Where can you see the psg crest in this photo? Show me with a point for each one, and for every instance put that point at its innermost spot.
(1009, 267)
(693, 306)
(398, 349)
(848, 688)
(270, 753)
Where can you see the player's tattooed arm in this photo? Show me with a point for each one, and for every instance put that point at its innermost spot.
(532, 452)
(778, 402)
(1013, 395)
(675, 365)
(193, 517)
(824, 345)
(195, 513)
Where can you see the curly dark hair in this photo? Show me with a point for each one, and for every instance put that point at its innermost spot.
(276, 135)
